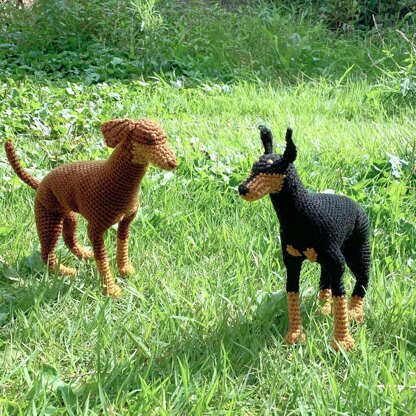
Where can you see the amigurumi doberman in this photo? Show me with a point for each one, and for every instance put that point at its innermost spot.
(328, 229)
(105, 192)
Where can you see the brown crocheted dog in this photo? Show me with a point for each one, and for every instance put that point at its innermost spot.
(104, 192)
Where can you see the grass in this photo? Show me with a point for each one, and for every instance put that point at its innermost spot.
(111, 39)
(200, 327)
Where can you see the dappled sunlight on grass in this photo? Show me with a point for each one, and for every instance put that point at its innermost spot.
(201, 324)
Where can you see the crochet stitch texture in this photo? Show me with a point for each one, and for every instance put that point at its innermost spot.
(104, 192)
(328, 229)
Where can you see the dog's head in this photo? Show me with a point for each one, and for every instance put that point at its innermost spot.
(268, 173)
(147, 141)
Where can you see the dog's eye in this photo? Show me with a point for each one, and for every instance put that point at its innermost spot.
(149, 140)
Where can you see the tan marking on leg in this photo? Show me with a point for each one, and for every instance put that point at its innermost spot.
(325, 296)
(342, 336)
(295, 333)
(356, 309)
(292, 251)
(311, 254)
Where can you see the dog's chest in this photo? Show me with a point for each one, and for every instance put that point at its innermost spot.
(301, 238)
(107, 206)
(310, 253)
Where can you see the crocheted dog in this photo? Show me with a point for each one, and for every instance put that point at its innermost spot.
(328, 229)
(104, 192)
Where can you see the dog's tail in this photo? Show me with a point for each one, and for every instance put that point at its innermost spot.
(17, 167)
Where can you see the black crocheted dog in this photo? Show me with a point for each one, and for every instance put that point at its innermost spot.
(329, 229)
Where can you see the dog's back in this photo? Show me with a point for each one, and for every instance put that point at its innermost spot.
(320, 221)
(335, 217)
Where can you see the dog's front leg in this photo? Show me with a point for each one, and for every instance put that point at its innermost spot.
(123, 230)
(295, 333)
(96, 237)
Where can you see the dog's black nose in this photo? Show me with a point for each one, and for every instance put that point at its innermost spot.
(242, 189)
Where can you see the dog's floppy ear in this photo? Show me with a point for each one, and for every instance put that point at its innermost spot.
(289, 155)
(115, 131)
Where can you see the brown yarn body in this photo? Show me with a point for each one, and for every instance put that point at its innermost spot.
(104, 192)
(342, 336)
(17, 167)
(295, 333)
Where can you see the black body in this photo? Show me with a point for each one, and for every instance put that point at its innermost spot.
(334, 226)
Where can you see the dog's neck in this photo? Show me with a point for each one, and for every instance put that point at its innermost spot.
(291, 200)
(122, 171)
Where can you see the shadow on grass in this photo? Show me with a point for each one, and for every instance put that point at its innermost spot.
(29, 286)
(233, 348)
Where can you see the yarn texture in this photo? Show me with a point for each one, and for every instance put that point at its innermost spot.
(325, 296)
(356, 312)
(103, 192)
(331, 230)
(295, 333)
(342, 337)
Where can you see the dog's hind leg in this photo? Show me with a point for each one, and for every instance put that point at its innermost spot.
(334, 261)
(69, 228)
(96, 237)
(123, 263)
(49, 227)
(358, 260)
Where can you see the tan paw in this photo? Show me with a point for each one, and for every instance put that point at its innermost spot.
(127, 270)
(82, 253)
(86, 254)
(66, 271)
(114, 291)
(295, 337)
(325, 296)
(356, 315)
(356, 312)
(325, 308)
(346, 344)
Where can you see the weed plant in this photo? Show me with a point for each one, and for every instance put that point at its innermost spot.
(95, 41)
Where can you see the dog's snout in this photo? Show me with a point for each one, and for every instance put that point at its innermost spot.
(172, 163)
(242, 189)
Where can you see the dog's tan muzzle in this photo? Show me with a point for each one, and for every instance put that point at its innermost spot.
(261, 185)
(159, 155)
(165, 159)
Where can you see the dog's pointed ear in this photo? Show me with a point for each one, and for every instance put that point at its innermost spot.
(266, 137)
(115, 131)
(290, 153)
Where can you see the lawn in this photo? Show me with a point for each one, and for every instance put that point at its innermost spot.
(200, 327)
